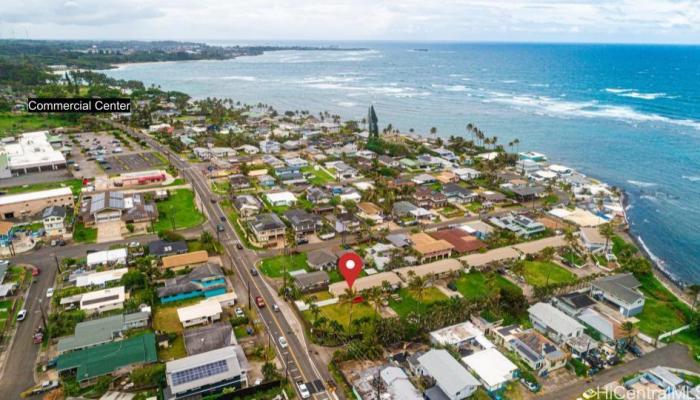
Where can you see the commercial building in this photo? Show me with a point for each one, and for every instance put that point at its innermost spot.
(31, 152)
(206, 373)
(26, 205)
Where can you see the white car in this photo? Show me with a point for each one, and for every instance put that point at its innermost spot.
(303, 390)
(283, 342)
(21, 315)
(239, 312)
(49, 292)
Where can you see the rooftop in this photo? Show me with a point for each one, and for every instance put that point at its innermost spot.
(449, 374)
(32, 196)
(492, 367)
(181, 260)
(208, 338)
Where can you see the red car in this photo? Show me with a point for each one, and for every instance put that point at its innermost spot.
(259, 301)
(35, 271)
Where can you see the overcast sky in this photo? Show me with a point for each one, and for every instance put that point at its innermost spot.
(639, 21)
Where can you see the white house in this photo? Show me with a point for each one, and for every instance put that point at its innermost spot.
(100, 278)
(449, 375)
(493, 368)
(201, 313)
(269, 146)
(467, 174)
(285, 198)
(103, 300)
(107, 257)
(554, 323)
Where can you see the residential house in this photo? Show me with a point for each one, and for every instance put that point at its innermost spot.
(163, 248)
(102, 300)
(527, 193)
(538, 352)
(180, 261)
(406, 213)
(209, 337)
(267, 228)
(238, 182)
(521, 225)
(493, 368)
(318, 196)
(340, 170)
(204, 312)
(457, 194)
(347, 222)
(592, 240)
(266, 180)
(98, 331)
(200, 375)
(107, 257)
(54, 218)
(247, 205)
(621, 291)
(429, 248)
(302, 222)
(312, 281)
(427, 198)
(269, 146)
(117, 206)
(100, 278)
(573, 304)
(370, 211)
(446, 177)
(423, 179)
(277, 199)
(321, 260)
(457, 335)
(349, 194)
(461, 241)
(467, 174)
(447, 154)
(609, 329)
(205, 281)
(555, 324)
(388, 161)
(450, 376)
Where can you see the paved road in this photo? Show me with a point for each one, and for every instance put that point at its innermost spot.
(298, 363)
(674, 356)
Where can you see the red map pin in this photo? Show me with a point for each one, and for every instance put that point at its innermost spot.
(350, 266)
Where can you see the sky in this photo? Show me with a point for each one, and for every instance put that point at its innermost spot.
(609, 21)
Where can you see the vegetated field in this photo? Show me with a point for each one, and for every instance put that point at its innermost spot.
(663, 311)
(165, 319)
(541, 273)
(178, 210)
(274, 266)
(320, 177)
(410, 301)
(74, 184)
(341, 312)
(13, 123)
(475, 285)
(83, 234)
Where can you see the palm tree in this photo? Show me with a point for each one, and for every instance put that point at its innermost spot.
(375, 298)
(315, 312)
(570, 238)
(291, 243)
(629, 331)
(694, 290)
(606, 230)
(547, 253)
(349, 298)
(417, 284)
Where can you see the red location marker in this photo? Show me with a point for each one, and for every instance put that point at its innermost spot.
(350, 266)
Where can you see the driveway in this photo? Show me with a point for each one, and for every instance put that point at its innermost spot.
(109, 231)
(673, 356)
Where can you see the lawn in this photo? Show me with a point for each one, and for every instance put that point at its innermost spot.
(165, 319)
(178, 212)
(451, 212)
(221, 187)
(83, 234)
(475, 285)
(341, 312)
(619, 245)
(74, 184)
(541, 273)
(662, 310)
(11, 123)
(474, 207)
(572, 257)
(274, 266)
(320, 177)
(409, 300)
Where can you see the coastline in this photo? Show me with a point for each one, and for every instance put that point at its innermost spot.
(670, 282)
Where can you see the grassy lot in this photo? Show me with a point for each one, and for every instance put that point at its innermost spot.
(619, 244)
(541, 273)
(474, 207)
(221, 187)
(74, 184)
(451, 212)
(24, 122)
(475, 285)
(16, 274)
(341, 312)
(316, 296)
(601, 260)
(572, 257)
(5, 307)
(274, 266)
(320, 177)
(409, 300)
(662, 310)
(178, 210)
(165, 319)
(83, 234)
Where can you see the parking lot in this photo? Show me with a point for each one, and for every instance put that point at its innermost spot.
(102, 152)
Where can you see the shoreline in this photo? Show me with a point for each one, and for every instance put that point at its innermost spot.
(674, 284)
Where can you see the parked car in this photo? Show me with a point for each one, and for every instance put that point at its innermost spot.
(239, 312)
(283, 342)
(35, 271)
(49, 292)
(259, 302)
(220, 227)
(531, 386)
(21, 315)
(636, 351)
(275, 308)
(46, 386)
(303, 390)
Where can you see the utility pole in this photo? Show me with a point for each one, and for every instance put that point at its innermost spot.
(43, 316)
(249, 298)
(58, 264)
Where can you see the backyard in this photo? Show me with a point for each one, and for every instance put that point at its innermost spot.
(475, 285)
(319, 178)
(543, 273)
(410, 300)
(274, 266)
(166, 320)
(341, 312)
(178, 212)
(662, 310)
(84, 234)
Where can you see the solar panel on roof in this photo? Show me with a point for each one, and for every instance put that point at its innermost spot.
(200, 372)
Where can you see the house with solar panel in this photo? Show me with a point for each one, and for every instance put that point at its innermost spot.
(205, 281)
(117, 206)
(206, 373)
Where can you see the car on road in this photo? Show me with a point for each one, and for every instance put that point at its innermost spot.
(213, 200)
(35, 271)
(636, 351)
(21, 315)
(220, 227)
(283, 342)
(275, 308)
(239, 312)
(49, 292)
(239, 246)
(257, 382)
(303, 390)
(259, 302)
(254, 272)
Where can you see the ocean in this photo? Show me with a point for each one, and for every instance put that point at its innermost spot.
(628, 115)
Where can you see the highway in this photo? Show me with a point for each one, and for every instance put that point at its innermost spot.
(298, 363)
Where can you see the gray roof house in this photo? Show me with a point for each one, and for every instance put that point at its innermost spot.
(321, 259)
(312, 281)
(206, 373)
(555, 324)
(620, 290)
(161, 248)
(267, 227)
(303, 222)
(102, 330)
(458, 194)
(209, 337)
(450, 376)
(247, 205)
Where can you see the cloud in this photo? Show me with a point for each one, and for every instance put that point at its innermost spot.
(569, 20)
